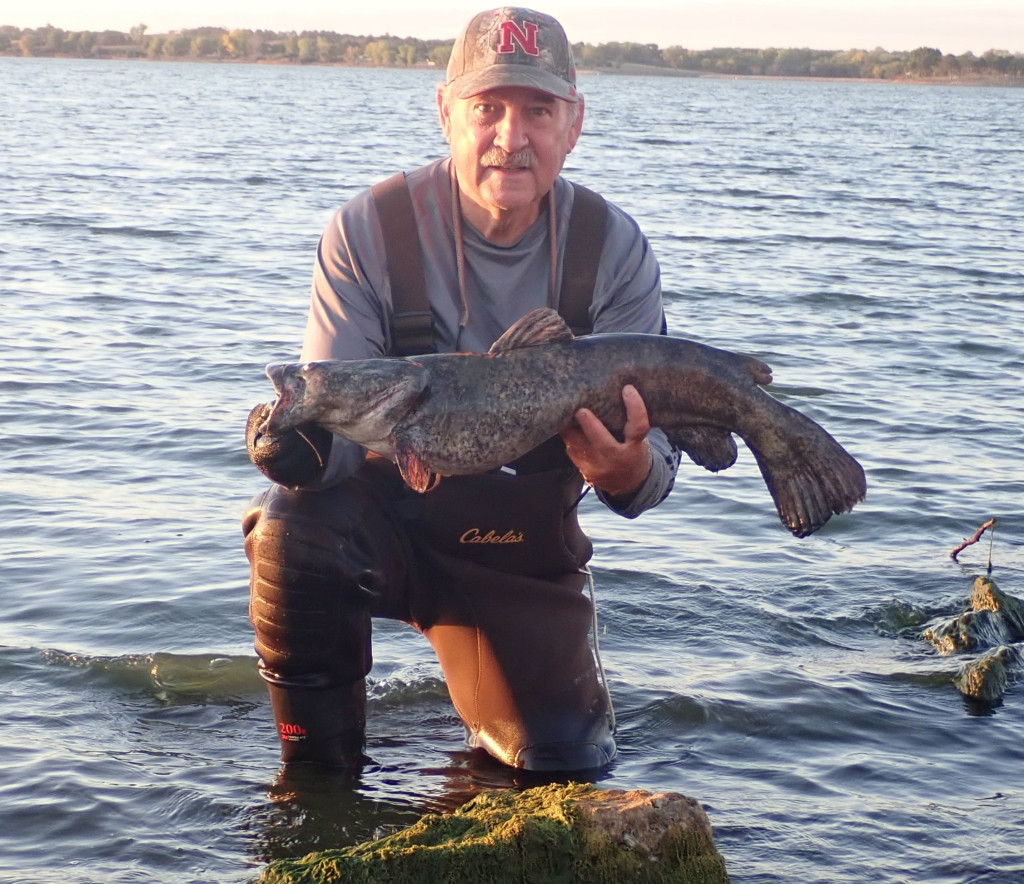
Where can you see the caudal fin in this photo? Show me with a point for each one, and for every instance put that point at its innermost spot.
(812, 484)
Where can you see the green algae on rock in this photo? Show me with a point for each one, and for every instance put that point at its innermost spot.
(995, 620)
(557, 834)
(987, 678)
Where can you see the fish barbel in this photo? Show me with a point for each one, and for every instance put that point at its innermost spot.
(462, 413)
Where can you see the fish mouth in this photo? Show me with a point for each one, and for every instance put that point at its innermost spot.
(289, 387)
(278, 374)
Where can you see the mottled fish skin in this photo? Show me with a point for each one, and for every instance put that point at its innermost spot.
(456, 414)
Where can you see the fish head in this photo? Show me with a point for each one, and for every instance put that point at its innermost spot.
(359, 399)
(289, 409)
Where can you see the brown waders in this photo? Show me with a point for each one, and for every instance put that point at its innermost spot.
(486, 567)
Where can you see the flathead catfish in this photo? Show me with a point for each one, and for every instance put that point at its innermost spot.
(461, 413)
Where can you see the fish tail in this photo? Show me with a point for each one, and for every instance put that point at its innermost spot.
(824, 480)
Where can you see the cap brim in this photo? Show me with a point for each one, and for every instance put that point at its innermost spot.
(498, 75)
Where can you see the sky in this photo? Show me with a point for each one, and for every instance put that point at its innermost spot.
(952, 26)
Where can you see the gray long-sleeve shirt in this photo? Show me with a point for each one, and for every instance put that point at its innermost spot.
(350, 311)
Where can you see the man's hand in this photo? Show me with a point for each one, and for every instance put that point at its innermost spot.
(293, 459)
(617, 468)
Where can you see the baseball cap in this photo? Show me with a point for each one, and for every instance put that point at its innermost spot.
(512, 46)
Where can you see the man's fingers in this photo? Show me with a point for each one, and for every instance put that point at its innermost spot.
(589, 424)
(638, 423)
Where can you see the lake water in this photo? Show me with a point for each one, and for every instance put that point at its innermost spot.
(157, 229)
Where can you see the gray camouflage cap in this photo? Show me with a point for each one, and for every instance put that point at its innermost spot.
(512, 46)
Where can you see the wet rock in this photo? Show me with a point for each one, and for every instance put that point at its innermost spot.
(987, 677)
(995, 621)
(576, 834)
(986, 596)
(969, 632)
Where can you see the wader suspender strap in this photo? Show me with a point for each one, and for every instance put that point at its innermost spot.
(579, 265)
(583, 246)
(412, 332)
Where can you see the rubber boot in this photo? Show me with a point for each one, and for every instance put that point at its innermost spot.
(592, 747)
(319, 725)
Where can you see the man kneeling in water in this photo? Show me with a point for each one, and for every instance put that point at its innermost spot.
(447, 257)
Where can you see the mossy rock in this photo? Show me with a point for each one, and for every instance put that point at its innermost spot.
(987, 678)
(994, 619)
(557, 834)
(986, 596)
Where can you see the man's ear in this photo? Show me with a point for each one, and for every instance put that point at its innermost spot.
(444, 115)
(577, 126)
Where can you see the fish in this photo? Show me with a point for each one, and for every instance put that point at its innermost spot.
(449, 414)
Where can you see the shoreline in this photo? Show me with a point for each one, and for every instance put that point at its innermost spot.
(630, 69)
(626, 69)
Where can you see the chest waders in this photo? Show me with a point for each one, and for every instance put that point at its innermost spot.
(487, 567)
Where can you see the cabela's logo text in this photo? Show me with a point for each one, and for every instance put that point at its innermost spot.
(473, 535)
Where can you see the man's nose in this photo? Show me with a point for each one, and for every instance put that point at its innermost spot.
(510, 132)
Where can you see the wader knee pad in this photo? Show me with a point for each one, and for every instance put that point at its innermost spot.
(311, 590)
(318, 724)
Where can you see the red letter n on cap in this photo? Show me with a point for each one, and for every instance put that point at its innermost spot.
(510, 33)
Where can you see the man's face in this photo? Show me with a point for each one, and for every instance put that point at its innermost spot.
(508, 145)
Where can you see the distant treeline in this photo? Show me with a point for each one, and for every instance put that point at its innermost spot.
(328, 47)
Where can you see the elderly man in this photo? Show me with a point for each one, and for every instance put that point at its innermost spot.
(445, 258)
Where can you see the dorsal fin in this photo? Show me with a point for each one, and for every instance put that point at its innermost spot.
(540, 326)
(759, 371)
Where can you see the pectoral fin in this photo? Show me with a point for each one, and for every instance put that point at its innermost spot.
(410, 464)
(710, 447)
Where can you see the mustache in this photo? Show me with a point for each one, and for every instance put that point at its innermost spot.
(518, 159)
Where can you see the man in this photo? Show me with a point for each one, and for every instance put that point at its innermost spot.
(490, 568)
